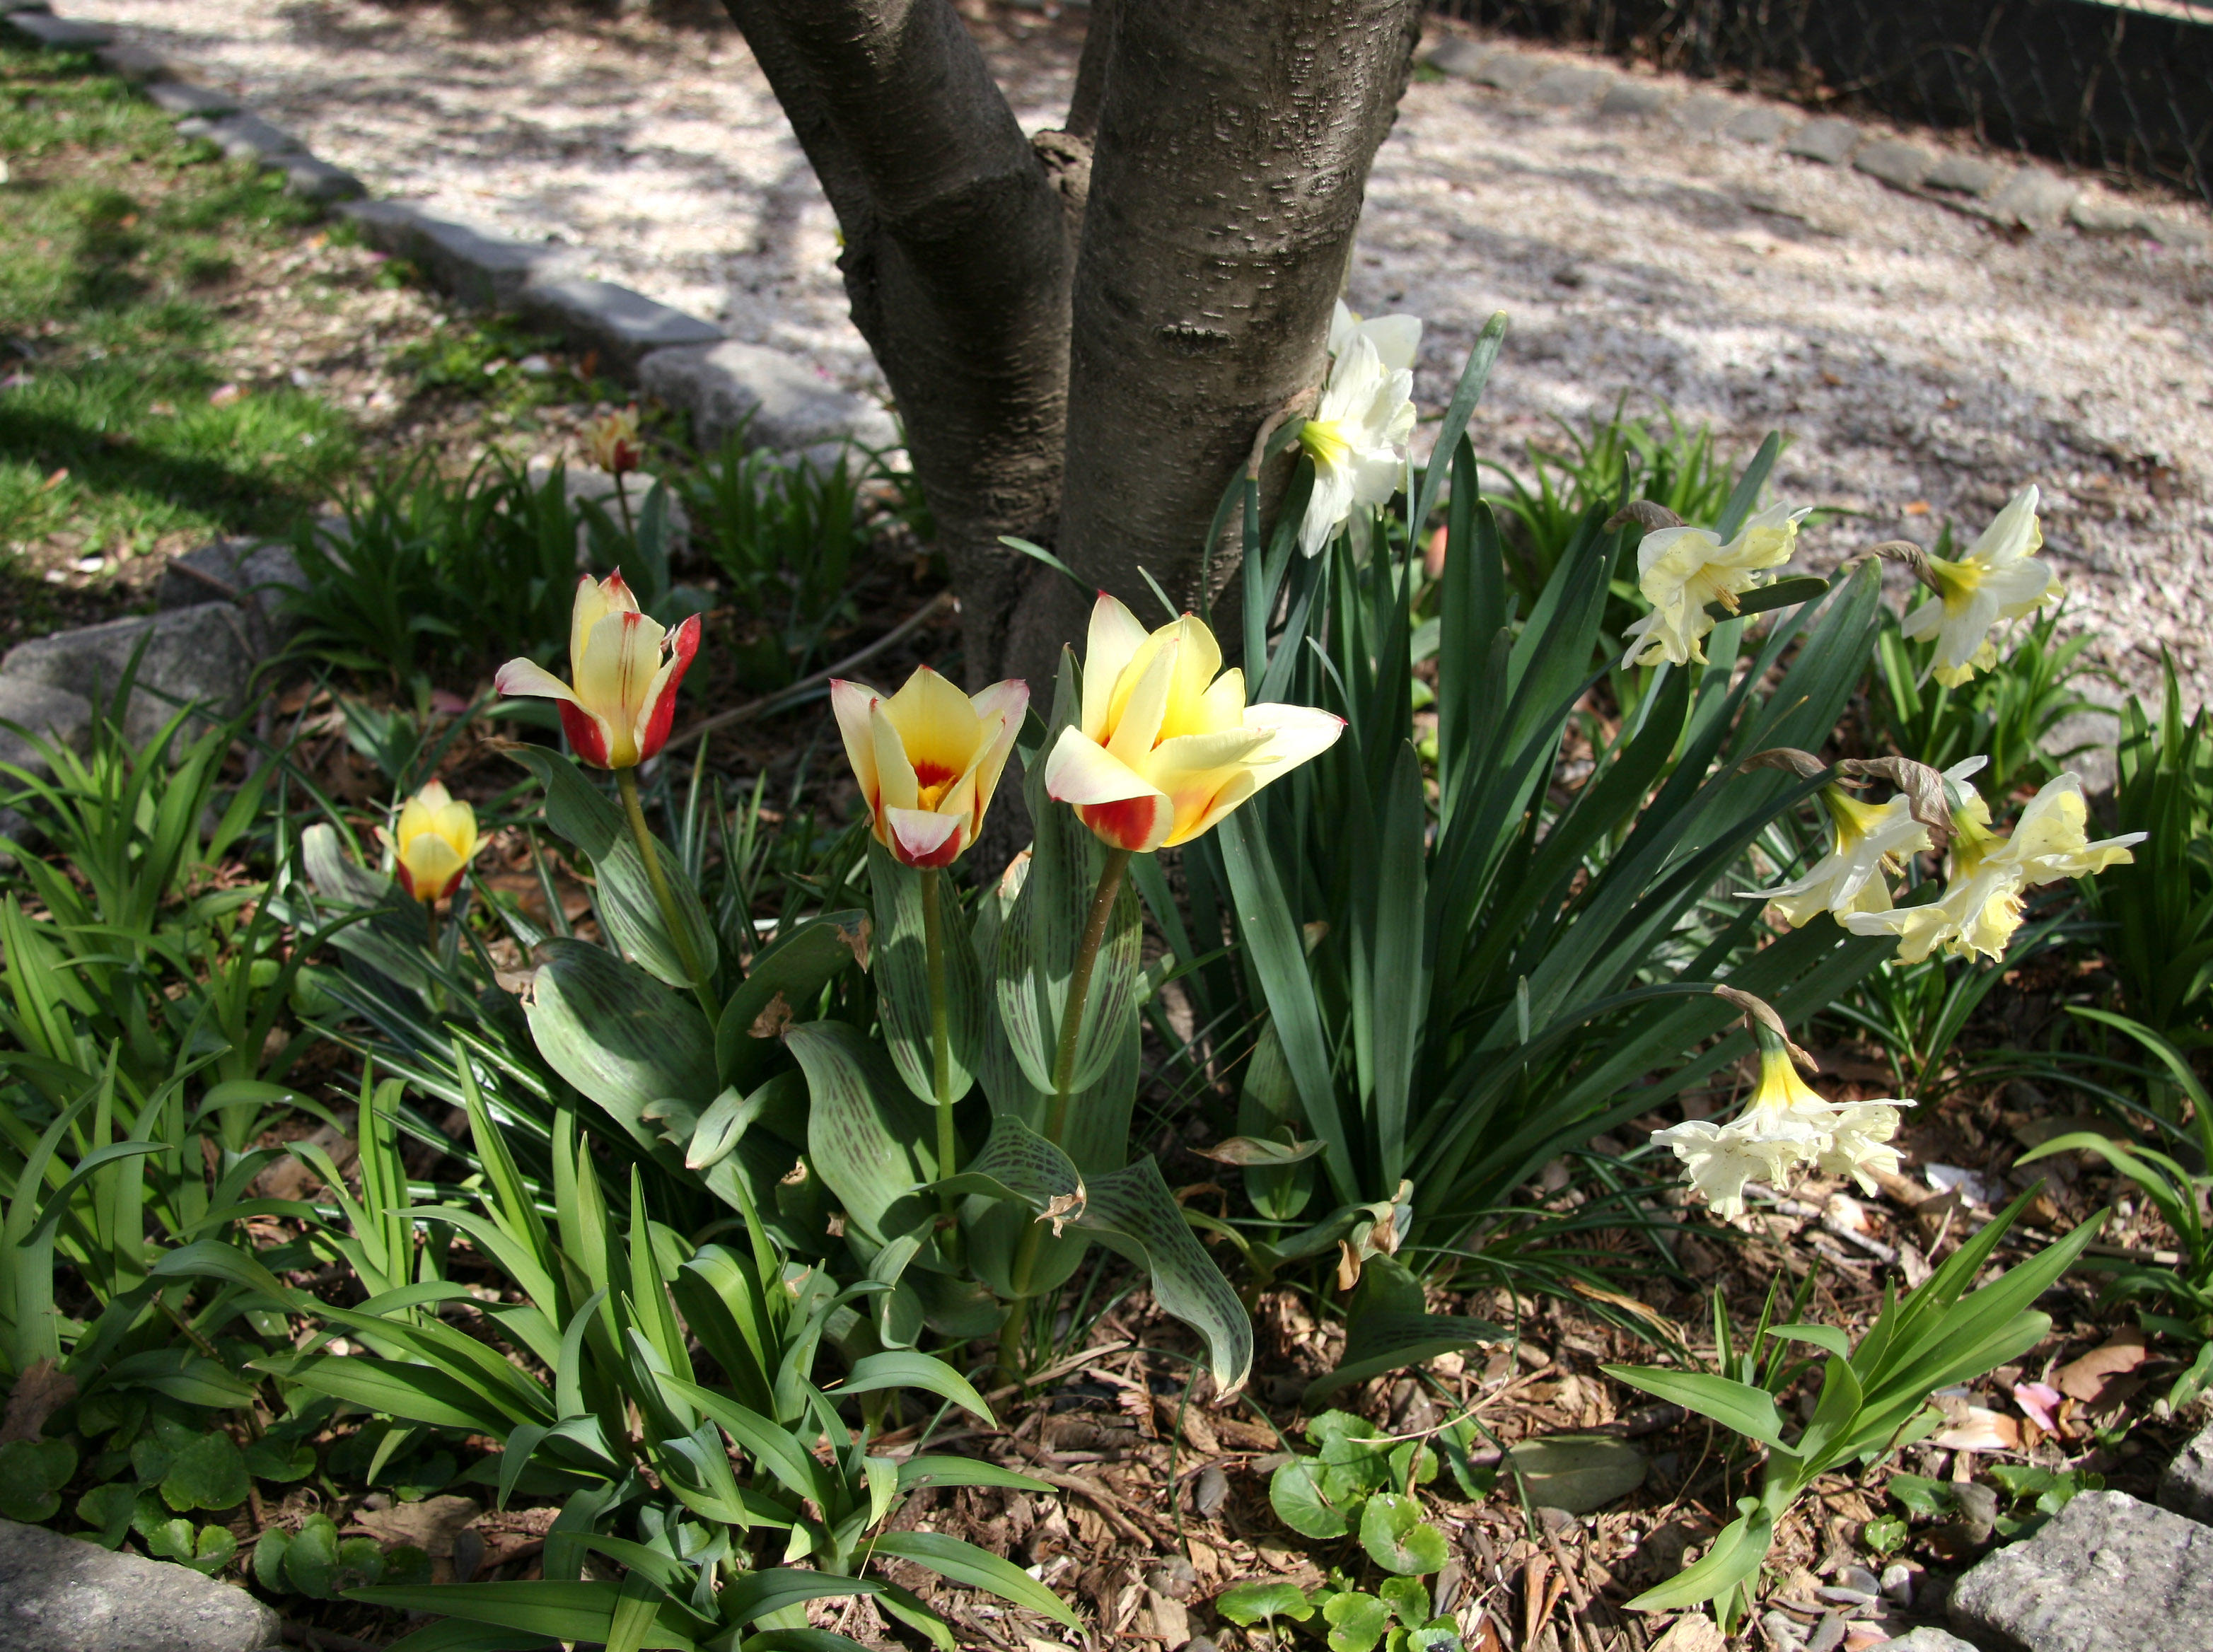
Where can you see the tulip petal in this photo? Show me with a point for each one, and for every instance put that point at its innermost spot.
(849, 703)
(895, 779)
(1080, 770)
(1198, 657)
(1009, 703)
(615, 676)
(527, 680)
(1137, 721)
(1111, 643)
(590, 737)
(430, 867)
(936, 725)
(656, 716)
(922, 838)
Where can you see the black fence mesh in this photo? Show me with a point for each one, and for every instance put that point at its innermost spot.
(2122, 86)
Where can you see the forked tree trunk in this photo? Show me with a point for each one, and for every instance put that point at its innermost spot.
(1096, 400)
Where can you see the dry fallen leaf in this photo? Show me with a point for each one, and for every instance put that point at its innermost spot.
(2085, 1378)
(42, 1390)
(1980, 1429)
(1696, 1634)
(430, 1525)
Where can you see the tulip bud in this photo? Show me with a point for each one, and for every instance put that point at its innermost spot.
(432, 842)
(611, 441)
(627, 668)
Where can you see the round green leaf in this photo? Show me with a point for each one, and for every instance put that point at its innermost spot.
(1356, 1621)
(171, 1539)
(1297, 1493)
(1408, 1599)
(311, 1560)
(1398, 1538)
(1248, 1603)
(269, 1558)
(212, 1550)
(275, 1460)
(209, 1473)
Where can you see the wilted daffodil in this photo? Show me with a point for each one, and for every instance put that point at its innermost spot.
(626, 670)
(1167, 747)
(1357, 437)
(928, 759)
(1869, 844)
(1981, 905)
(432, 842)
(1996, 580)
(1681, 569)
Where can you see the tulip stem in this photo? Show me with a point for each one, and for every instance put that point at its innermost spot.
(941, 1045)
(665, 896)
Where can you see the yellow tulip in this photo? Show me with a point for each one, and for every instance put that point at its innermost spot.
(432, 842)
(627, 668)
(1166, 748)
(929, 758)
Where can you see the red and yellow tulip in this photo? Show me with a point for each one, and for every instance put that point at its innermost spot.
(627, 668)
(432, 842)
(1167, 747)
(928, 759)
(611, 441)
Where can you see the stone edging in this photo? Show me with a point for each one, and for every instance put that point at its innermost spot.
(217, 617)
(2010, 195)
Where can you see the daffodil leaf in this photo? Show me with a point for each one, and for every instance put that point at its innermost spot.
(901, 969)
(1388, 1327)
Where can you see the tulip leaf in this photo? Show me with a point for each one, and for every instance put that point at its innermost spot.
(902, 976)
(1388, 1327)
(1736, 1555)
(575, 808)
(801, 962)
(617, 1035)
(870, 1142)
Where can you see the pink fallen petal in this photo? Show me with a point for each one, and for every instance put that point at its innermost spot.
(2037, 1401)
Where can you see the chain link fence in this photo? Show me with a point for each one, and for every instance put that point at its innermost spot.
(2123, 86)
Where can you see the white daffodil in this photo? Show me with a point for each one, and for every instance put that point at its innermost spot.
(1860, 1135)
(1681, 569)
(1719, 1160)
(1868, 846)
(2049, 841)
(1357, 440)
(1397, 338)
(1996, 580)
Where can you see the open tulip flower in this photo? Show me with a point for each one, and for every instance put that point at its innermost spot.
(929, 758)
(1996, 580)
(627, 668)
(432, 842)
(1167, 747)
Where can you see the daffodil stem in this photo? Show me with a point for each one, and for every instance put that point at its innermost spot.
(1063, 1074)
(941, 1045)
(665, 896)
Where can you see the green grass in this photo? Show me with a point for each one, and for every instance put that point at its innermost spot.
(120, 241)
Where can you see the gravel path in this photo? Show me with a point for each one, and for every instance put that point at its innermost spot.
(1923, 364)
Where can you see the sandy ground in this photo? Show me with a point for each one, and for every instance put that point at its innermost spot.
(1922, 364)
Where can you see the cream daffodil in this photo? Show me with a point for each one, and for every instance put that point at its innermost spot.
(627, 668)
(1868, 846)
(1397, 338)
(1167, 747)
(1996, 580)
(1681, 569)
(1719, 1160)
(432, 842)
(928, 759)
(1357, 440)
(1860, 1134)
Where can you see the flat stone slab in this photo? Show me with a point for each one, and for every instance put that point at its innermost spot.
(1763, 123)
(1829, 140)
(781, 402)
(1902, 165)
(253, 574)
(243, 137)
(2173, 232)
(53, 715)
(1964, 174)
(488, 271)
(63, 1594)
(202, 654)
(2107, 1573)
(183, 97)
(60, 34)
(1634, 98)
(1459, 56)
(1508, 71)
(623, 326)
(2033, 199)
(312, 180)
(2186, 1487)
(1705, 113)
(1568, 88)
(134, 62)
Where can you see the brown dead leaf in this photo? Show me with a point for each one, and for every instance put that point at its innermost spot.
(2085, 1378)
(42, 1390)
(430, 1525)
(1979, 1429)
(771, 1022)
(1692, 1634)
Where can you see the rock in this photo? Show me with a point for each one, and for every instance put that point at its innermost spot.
(488, 271)
(2108, 1573)
(243, 137)
(1459, 56)
(202, 653)
(49, 714)
(1705, 113)
(250, 572)
(60, 34)
(1508, 71)
(789, 405)
(2186, 1487)
(182, 97)
(2172, 232)
(312, 180)
(1635, 99)
(63, 1594)
(1568, 88)
(130, 61)
(1830, 141)
(1964, 174)
(1902, 165)
(2096, 217)
(1927, 1638)
(621, 324)
(1763, 123)
(2033, 199)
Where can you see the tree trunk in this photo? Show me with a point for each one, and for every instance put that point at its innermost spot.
(1138, 293)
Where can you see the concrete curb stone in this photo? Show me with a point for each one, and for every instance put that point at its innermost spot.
(623, 326)
(783, 404)
(1964, 174)
(183, 97)
(204, 653)
(243, 137)
(484, 270)
(2033, 199)
(1457, 55)
(254, 574)
(1900, 164)
(1508, 71)
(53, 713)
(2107, 1572)
(136, 64)
(1704, 114)
(60, 34)
(1636, 98)
(1763, 123)
(1569, 88)
(312, 180)
(1830, 141)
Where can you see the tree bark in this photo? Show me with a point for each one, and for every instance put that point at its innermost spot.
(957, 262)
(1230, 162)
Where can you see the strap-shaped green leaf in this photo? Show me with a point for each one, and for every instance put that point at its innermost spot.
(1739, 1405)
(976, 1569)
(414, 1392)
(561, 1611)
(905, 1369)
(757, 1594)
(768, 1444)
(901, 966)
(619, 1036)
(946, 1470)
(1736, 1555)
(1388, 1327)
